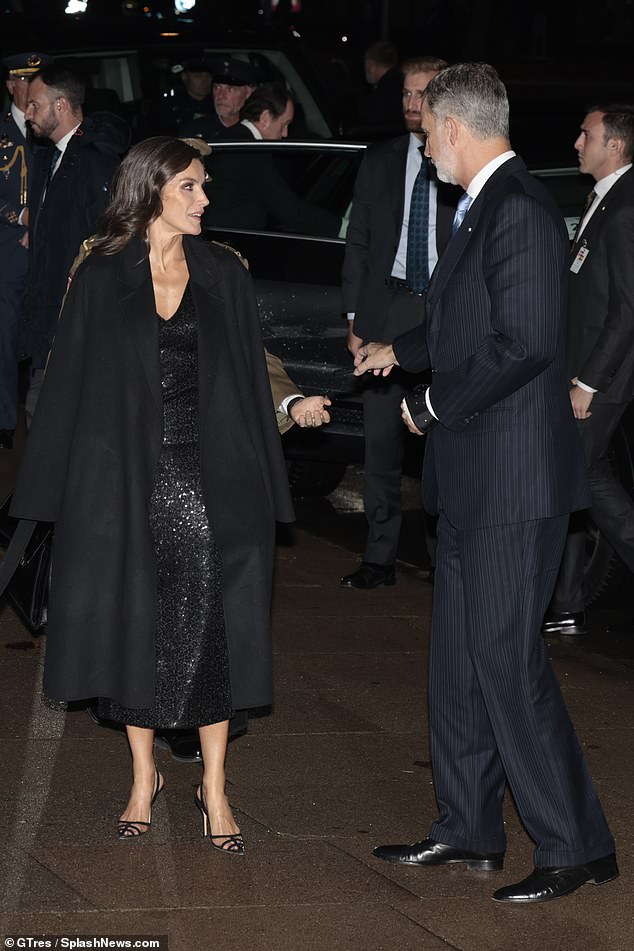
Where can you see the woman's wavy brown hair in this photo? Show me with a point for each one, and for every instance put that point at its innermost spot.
(136, 190)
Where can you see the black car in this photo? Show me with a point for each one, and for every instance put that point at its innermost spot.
(298, 278)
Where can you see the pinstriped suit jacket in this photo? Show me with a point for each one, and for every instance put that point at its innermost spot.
(506, 449)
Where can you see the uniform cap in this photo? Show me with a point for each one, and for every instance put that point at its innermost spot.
(235, 72)
(26, 64)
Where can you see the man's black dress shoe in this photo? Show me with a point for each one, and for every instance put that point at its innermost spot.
(430, 852)
(184, 745)
(6, 439)
(572, 623)
(546, 884)
(369, 575)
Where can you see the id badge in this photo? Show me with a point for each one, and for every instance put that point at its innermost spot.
(582, 254)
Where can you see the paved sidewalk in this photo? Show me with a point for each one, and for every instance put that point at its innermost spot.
(340, 766)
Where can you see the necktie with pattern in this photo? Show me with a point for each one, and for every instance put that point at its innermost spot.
(417, 263)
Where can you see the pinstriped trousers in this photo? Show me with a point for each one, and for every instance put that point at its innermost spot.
(496, 713)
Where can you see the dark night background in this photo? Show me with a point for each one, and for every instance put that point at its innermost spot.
(556, 58)
(579, 32)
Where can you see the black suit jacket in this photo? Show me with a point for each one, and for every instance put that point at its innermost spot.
(91, 462)
(76, 197)
(374, 234)
(600, 340)
(506, 448)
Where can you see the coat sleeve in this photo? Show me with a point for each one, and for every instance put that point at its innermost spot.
(41, 479)
(281, 388)
(523, 263)
(616, 340)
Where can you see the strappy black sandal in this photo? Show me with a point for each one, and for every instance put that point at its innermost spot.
(232, 844)
(129, 829)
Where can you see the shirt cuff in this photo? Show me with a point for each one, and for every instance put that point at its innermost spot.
(584, 386)
(429, 406)
(283, 407)
(350, 316)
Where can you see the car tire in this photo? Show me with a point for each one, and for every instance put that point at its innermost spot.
(309, 479)
(607, 580)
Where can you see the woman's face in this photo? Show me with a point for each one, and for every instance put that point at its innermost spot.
(184, 201)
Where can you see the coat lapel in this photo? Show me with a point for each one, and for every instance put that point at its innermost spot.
(210, 309)
(460, 241)
(395, 183)
(136, 296)
(596, 222)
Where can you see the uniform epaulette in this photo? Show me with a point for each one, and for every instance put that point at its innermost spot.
(228, 247)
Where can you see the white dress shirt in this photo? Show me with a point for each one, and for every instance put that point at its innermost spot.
(412, 168)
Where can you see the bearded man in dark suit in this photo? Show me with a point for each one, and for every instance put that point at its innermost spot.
(392, 247)
(503, 469)
(600, 345)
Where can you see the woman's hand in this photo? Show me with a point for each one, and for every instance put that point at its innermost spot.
(311, 411)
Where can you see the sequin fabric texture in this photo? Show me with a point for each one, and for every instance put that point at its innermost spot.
(192, 686)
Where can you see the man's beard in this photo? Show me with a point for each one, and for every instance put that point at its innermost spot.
(412, 124)
(444, 171)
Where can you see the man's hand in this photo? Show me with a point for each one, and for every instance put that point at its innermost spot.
(24, 240)
(353, 342)
(409, 422)
(581, 400)
(311, 411)
(377, 357)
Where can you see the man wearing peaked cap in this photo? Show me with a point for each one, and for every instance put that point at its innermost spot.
(234, 81)
(15, 157)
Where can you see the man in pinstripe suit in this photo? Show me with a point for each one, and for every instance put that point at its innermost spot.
(503, 470)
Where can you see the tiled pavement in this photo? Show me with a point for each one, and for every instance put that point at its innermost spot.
(341, 765)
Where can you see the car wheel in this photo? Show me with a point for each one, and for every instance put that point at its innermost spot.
(607, 580)
(309, 479)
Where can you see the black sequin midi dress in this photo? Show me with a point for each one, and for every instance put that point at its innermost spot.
(192, 685)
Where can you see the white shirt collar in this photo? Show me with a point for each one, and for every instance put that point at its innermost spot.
(478, 182)
(603, 186)
(19, 118)
(414, 144)
(253, 129)
(63, 142)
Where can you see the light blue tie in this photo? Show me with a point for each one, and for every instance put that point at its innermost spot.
(461, 211)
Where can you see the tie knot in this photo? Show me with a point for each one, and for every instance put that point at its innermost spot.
(463, 203)
(461, 210)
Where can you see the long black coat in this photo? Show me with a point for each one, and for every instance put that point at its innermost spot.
(90, 467)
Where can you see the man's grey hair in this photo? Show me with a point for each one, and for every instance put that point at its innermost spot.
(474, 94)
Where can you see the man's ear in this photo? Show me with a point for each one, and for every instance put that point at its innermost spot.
(451, 128)
(616, 146)
(265, 120)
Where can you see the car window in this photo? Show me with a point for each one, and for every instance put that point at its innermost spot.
(133, 78)
(281, 188)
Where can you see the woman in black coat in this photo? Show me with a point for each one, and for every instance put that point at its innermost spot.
(155, 451)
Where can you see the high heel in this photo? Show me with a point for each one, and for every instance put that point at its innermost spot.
(233, 844)
(128, 829)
